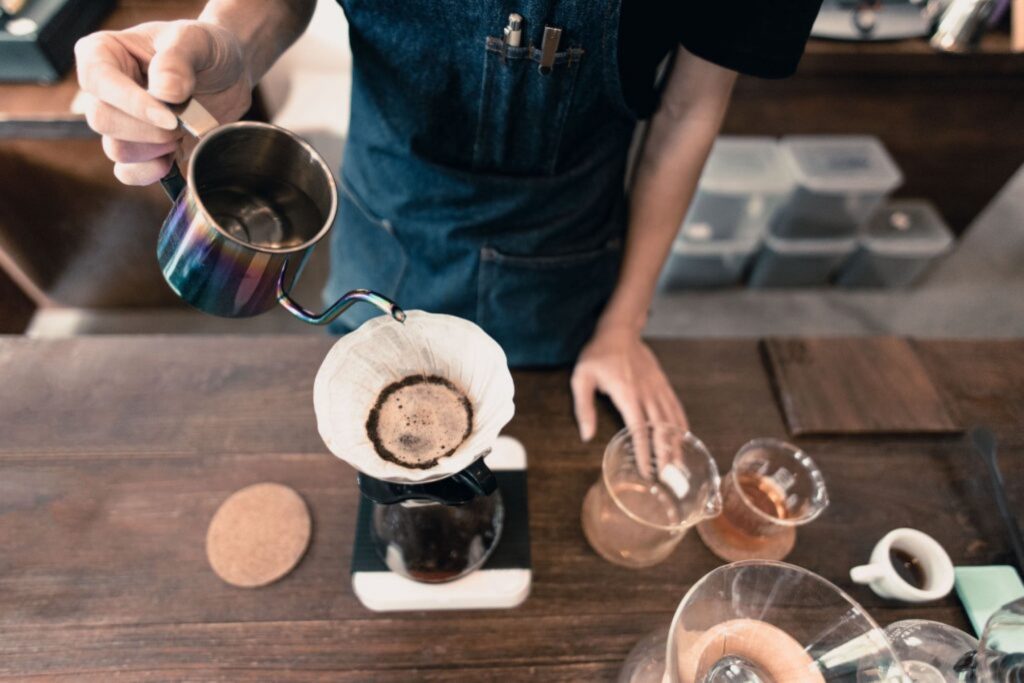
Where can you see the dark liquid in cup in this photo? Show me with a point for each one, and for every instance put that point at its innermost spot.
(764, 494)
(418, 420)
(908, 567)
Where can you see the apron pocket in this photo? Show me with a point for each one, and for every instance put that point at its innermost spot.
(543, 309)
(365, 254)
(522, 111)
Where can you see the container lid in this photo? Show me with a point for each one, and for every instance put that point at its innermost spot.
(811, 246)
(700, 238)
(841, 163)
(746, 165)
(907, 226)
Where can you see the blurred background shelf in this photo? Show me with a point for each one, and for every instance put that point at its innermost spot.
(44, 111)
(74, 239)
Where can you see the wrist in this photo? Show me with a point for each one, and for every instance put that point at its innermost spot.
(260, 38)
(622, 323)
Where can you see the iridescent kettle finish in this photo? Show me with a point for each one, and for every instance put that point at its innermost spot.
(211, 261)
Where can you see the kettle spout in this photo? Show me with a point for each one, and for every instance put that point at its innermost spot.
(338, 307)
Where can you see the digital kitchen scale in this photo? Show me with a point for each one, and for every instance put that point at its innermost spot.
(503, 581)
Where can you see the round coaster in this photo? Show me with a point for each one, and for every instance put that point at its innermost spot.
(258, 535)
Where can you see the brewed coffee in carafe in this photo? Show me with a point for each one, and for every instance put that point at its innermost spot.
(415, 408)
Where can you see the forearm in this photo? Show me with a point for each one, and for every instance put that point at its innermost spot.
(263, 34)
(678, 141)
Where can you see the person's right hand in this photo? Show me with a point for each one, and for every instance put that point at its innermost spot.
(128, 75)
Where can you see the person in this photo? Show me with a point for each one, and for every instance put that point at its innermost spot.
(484, 173)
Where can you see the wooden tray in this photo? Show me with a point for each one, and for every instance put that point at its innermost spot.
(855, 386)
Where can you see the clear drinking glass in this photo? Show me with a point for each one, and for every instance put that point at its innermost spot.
(656, 482)
(931, 652)
(1000, 655)
(772, 488)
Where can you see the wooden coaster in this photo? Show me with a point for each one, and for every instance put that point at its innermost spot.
(258, 535)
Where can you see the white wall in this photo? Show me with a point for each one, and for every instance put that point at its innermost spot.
(307, 90)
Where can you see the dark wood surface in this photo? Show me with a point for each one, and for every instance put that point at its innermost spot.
(15, 307)
(115, 452)
(855, 386)
(76, 236)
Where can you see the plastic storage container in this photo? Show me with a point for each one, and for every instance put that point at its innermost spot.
(743, 183)
(840, 181)
(700, 259)
(897, 245)
(800, 262)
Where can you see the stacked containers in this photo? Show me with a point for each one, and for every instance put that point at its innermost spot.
(743, 184)
(898, 245)
(840, 181)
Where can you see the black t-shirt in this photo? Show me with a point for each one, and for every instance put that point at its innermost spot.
(761, 38)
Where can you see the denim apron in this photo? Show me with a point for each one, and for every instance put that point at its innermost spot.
(474, 184)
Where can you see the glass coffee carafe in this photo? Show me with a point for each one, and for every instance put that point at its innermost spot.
(765, 622)
(656, 482)
(772, 488)
(437, 531)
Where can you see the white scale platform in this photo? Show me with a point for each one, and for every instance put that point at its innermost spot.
(504, 580)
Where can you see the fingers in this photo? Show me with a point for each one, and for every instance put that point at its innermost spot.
(658, 417)
(144, 173)
(135, 152)
(583, 386)
(108, 120)
(673, 408)
(628, 403)
(181, 51)
(106, 71)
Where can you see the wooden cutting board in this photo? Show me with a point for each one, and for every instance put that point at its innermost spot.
(874, 385)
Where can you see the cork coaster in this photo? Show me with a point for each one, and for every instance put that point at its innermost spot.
(258, 535)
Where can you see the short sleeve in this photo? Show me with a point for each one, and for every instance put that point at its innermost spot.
(760, 38)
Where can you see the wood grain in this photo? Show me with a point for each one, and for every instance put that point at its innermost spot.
(855, 386)
(115, 453)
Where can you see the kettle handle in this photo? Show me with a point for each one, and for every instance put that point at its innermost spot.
(195, 119)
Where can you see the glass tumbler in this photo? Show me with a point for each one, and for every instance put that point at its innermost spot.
(772, 488)
(656, 482)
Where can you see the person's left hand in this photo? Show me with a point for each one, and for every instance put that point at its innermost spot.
(617, 362)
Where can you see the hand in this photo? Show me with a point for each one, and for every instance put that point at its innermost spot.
(128, 75)
(618, 363)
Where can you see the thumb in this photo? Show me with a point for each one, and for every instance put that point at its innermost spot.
(181, 51)
(583, 386)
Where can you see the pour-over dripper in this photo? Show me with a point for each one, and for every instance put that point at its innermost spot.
(441, 521)
(759, 621)
(379, 353)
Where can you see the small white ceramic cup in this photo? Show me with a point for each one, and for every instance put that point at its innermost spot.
(881, 576)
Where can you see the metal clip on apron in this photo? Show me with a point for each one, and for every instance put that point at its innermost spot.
(257, 200)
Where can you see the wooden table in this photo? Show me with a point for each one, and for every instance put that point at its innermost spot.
(114, 453)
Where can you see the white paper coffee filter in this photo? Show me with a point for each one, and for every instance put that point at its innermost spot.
(382, 351)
